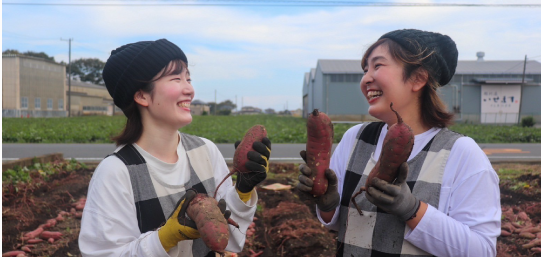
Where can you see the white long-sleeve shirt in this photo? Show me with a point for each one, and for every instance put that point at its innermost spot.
(109, 224)
(467, 221)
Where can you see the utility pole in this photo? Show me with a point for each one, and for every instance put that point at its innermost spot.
(521, 89)
(215, 102)
(236, 105)
(69, 76)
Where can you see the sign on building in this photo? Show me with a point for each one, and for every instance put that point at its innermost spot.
(500, 104)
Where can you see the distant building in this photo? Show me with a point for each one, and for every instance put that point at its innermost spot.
(296, 113)
(199, 107)
(284, 113)
(35, 87)
(91, 99)
(32, 87)
(249, 110)
(479, 92)
(270, 111)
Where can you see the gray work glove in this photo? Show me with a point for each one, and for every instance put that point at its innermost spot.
(331, 199)
(395, 198)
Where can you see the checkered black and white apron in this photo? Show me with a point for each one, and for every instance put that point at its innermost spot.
(155, 202)
(375, 232)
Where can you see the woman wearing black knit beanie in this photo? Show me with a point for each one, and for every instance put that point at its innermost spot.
(445, 200)
(138, 196)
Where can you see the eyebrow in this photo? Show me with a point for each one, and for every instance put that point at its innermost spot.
(376, 58)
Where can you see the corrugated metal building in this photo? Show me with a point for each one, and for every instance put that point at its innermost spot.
(479, 92)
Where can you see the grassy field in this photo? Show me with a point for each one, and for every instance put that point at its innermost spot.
(219, 129)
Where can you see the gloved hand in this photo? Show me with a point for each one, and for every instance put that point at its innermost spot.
(328, 201)
(179, 226)
(258, 165)
(394, 198)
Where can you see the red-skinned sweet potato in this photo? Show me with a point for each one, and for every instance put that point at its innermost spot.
(397, 147)
(210, 222)
(51, 234)
(34, 241)
(254, 134)
(13, 253)
(320, 133)
(35, 233)
(240, 158)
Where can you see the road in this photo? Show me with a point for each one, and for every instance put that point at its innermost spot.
(280, 152)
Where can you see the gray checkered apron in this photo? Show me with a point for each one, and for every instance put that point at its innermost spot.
(375, 232)
(152, 208)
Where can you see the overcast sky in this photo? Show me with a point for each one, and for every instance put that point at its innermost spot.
(257, 55)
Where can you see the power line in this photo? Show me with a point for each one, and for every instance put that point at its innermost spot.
(281, 3)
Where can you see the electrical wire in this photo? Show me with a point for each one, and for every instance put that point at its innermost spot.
(293, 3)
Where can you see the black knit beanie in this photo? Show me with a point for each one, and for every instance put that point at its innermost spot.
(133, 63)
(442, 63)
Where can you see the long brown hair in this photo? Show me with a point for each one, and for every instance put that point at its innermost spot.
(134, 124)
(433, 110)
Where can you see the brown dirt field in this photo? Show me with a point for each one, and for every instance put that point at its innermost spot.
(285, 223)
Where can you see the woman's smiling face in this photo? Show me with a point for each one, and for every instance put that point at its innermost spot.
(383, 83)
(171, 98)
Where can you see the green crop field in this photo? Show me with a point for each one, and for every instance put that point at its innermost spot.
(219, 129)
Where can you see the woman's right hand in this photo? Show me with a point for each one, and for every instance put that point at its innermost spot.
(328, 201)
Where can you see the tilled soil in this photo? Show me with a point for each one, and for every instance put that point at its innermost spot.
(285, 223)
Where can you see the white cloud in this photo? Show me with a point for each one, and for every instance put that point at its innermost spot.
(243, 51)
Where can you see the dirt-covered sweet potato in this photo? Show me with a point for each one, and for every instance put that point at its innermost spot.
(397, 147)
(210, 222)
(320, 133)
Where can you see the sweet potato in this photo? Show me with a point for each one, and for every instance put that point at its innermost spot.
(533, 243)
(35, 233)
(254, 134)
(80, 204)
(397, 147)
(34, 241)
(210, 222)
(49, 223)
(51, 234)
(13, 253)
(527, 235)
(505, 233)
(320, 133)
(27, 249)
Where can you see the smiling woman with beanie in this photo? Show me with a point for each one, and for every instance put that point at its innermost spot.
(446, 199)
(139, 194)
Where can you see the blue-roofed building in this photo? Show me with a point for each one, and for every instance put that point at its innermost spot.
(481, 91)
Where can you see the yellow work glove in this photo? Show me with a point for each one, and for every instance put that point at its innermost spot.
(178, 226)
(257, 164)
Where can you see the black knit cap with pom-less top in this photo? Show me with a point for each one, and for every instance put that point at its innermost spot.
(137, 62)
(443, 58)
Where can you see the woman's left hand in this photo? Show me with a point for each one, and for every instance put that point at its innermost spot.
(258, 165)
(394, 198)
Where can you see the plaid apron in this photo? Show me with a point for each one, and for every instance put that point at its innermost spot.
(155, 202)
(375, 232)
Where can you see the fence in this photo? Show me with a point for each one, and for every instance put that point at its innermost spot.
(13, 113)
